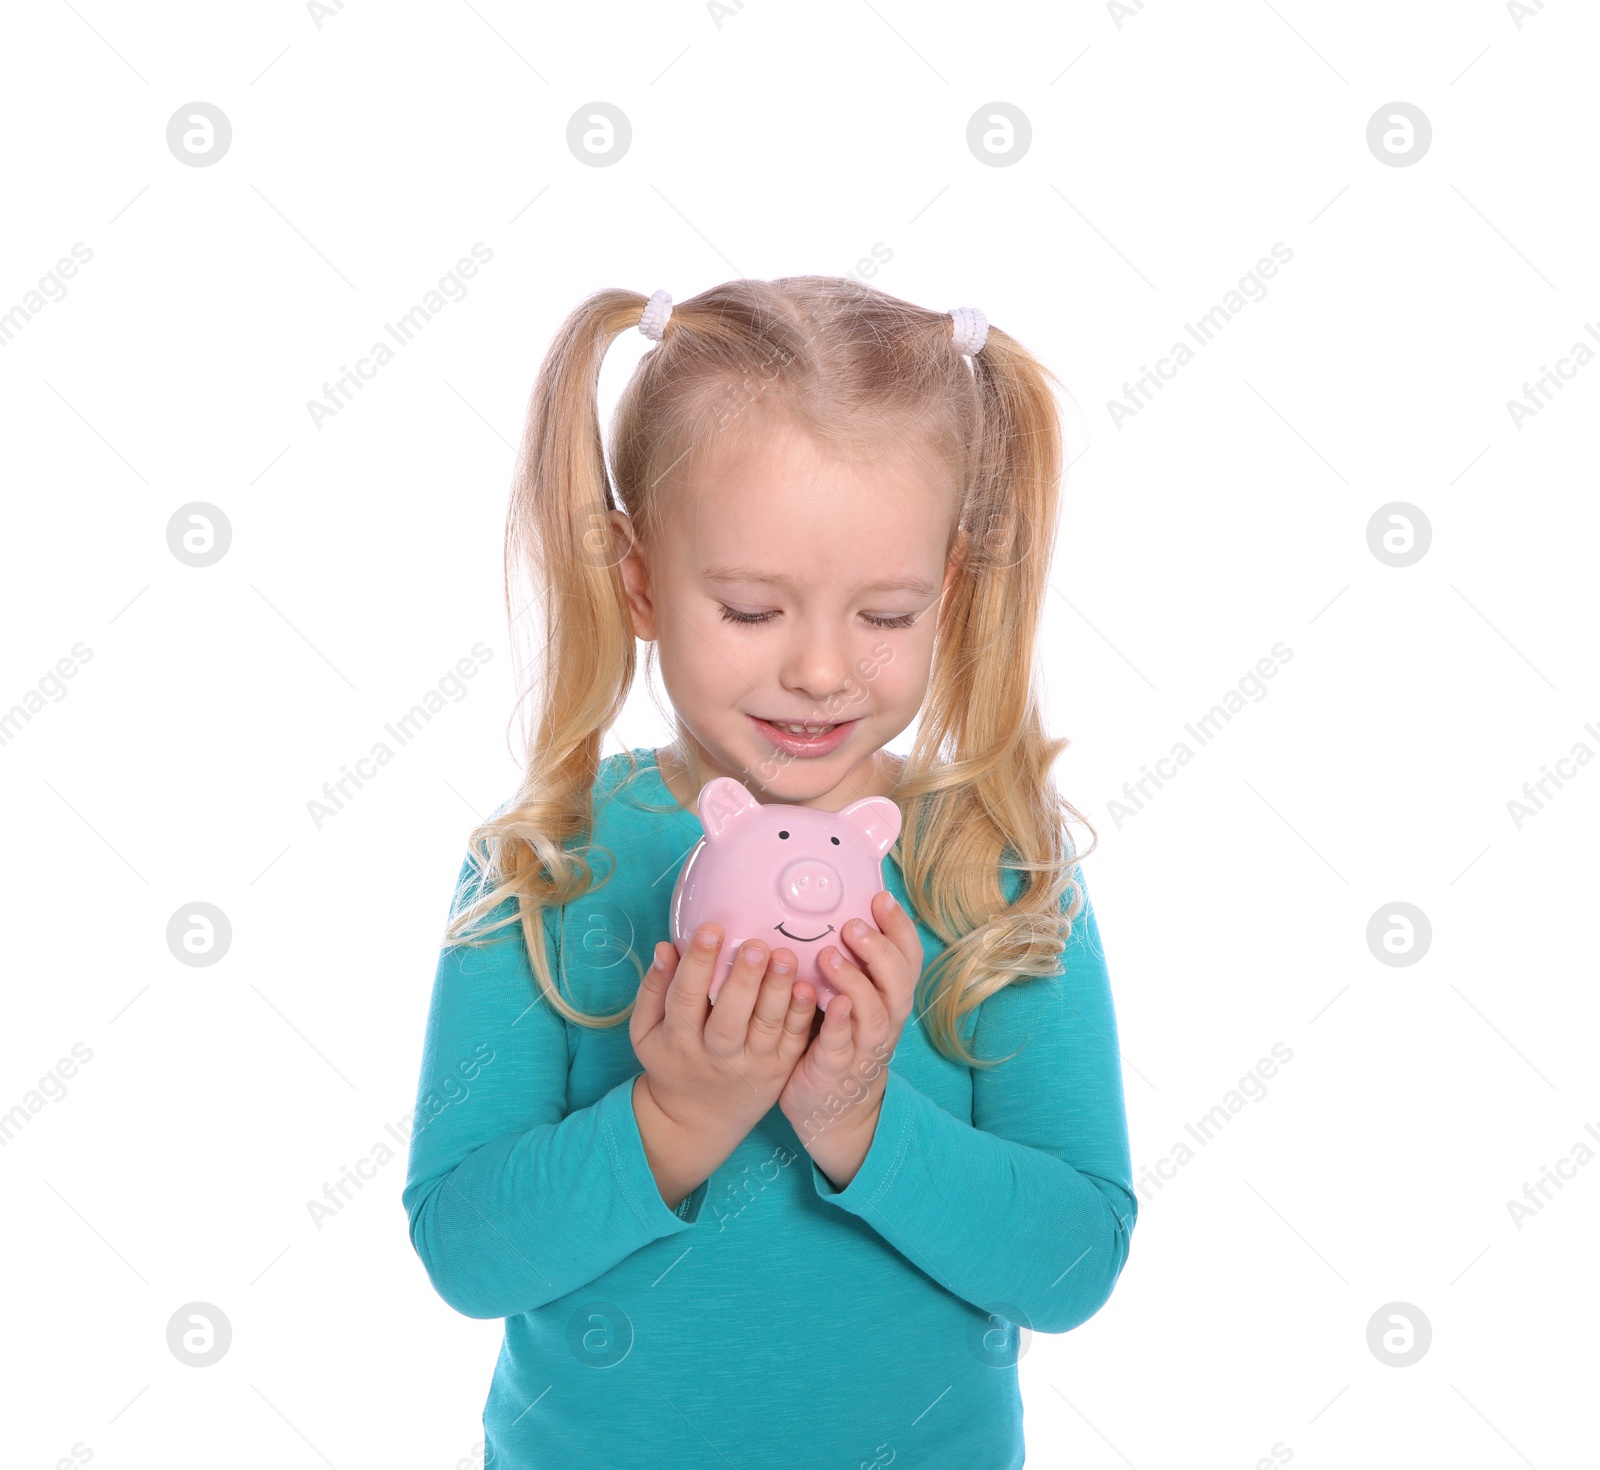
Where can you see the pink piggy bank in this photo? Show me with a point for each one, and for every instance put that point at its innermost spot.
(790, 876)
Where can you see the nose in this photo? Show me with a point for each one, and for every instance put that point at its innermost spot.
(810, 886)
(818, 668)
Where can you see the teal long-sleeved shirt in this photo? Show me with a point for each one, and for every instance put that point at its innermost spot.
(771, 1320)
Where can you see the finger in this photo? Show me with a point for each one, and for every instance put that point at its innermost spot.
(691, 979)
(833, 1045)
(730, 1016)
(651, 1003)
(891, 917)
(772, 999)
(886, 965)
(865, 999)
(797, 1022)
(878, 955)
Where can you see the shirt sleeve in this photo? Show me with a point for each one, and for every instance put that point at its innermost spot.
(513, 1201)
(1027, 1211)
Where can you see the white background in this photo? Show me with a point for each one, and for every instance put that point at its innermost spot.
(1169, 153)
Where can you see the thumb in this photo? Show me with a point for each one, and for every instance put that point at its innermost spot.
(651, 1004)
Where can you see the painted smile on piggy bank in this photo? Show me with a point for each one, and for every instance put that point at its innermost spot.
(809, 870)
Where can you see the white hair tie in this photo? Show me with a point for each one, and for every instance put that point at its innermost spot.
(971, 329)
(656, 311)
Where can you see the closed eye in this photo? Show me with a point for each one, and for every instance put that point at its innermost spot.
(902, 620)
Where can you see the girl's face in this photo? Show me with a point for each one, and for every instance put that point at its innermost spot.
(791, 588)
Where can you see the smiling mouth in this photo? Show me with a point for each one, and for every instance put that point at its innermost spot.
(801, 939)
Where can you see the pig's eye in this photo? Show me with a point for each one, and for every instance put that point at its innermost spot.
(834, 841)
(783, 835)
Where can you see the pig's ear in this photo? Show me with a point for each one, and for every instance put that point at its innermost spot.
(878, 817)
(722, 803)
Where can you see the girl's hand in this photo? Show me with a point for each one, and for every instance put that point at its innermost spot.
(833, 1095)
(715, 1071)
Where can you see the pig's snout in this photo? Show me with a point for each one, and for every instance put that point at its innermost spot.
(810, 886)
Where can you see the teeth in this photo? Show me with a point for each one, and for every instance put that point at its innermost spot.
(805, 729)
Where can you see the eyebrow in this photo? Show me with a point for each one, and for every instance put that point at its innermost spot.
(749, 574)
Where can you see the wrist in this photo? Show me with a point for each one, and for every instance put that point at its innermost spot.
(674, 1161)
(662, 1122)
(707, 1141)
(681, 1124)
(857, 1117)
(840, 1150)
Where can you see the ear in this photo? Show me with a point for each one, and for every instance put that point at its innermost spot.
(722, 802)
(952, 572)
(956, 562)
(614, 537)
(878, 817)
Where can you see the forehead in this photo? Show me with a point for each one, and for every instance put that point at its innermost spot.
(865, 522)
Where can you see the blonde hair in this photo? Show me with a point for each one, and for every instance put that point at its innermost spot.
(859, 371)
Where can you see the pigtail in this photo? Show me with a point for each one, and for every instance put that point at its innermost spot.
(979, 779)
(572, 630)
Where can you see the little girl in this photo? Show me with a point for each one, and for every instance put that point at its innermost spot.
(831, 513)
